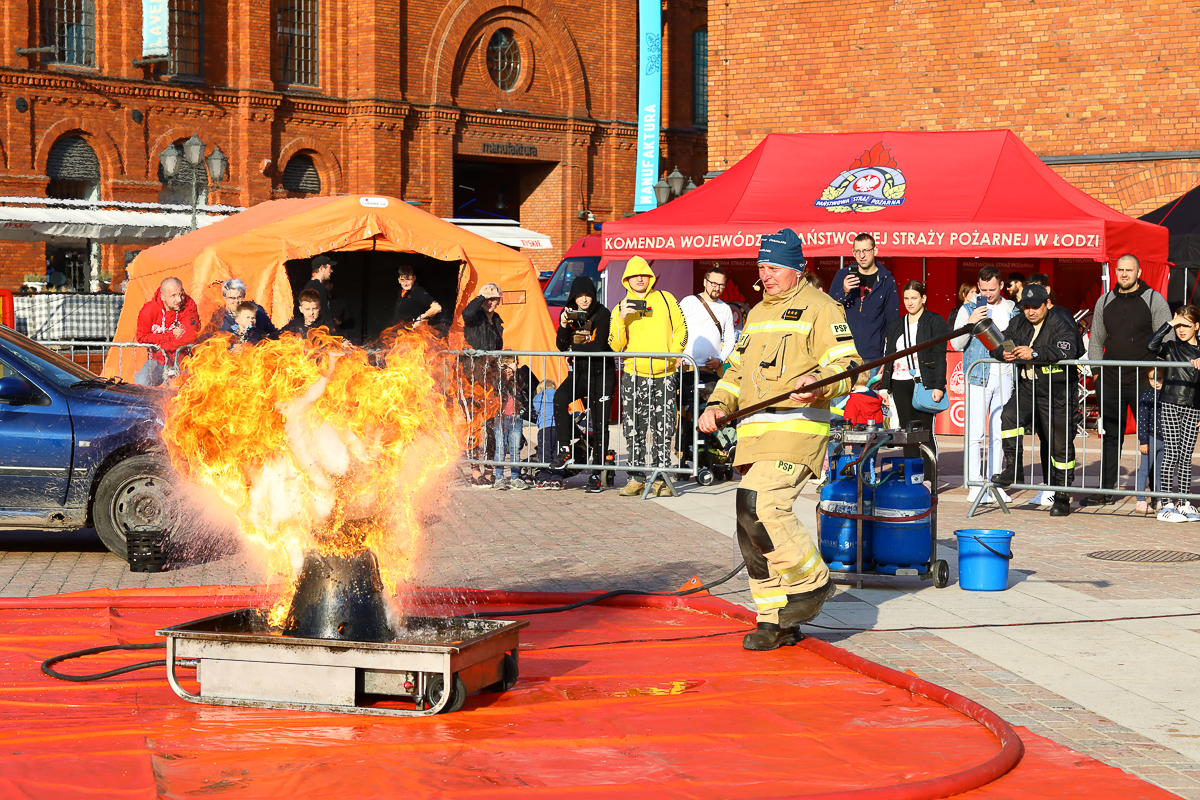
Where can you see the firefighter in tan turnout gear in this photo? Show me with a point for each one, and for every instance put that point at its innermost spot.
(795, 336)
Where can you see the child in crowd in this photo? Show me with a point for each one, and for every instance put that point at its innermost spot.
(244, 327)
(309, 316)
(1150, 438)
(509, 425)
(1176, 341)
(863, 405)
(547, 438)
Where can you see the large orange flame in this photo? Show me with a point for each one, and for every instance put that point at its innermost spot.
(315, 448)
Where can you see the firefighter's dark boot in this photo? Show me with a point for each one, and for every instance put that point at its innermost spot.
(768, 636)
(1062, 505)
(1012, 466)
(805, 607)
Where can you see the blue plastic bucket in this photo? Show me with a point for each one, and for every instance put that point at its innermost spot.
(983, 556)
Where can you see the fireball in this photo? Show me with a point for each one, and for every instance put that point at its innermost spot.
(315, 448)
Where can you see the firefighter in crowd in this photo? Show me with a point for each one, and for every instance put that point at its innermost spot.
(1045, 393)
(795, 336)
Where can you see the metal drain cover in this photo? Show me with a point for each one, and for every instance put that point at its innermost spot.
(1145, 556)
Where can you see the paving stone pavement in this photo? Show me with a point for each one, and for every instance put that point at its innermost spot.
(570, 541)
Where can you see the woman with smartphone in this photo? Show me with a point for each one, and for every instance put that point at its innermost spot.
(1177, 341)
(926, 369)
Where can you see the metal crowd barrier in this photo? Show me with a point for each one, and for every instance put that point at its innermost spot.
(618, 421)
(1078, 419)
(110, 359)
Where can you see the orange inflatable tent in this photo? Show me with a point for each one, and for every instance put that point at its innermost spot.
(254, 245)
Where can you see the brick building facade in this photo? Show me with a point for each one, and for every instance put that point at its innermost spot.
(473, 107)
(1102, 90)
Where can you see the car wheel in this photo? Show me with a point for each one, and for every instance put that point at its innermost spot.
(133, 495)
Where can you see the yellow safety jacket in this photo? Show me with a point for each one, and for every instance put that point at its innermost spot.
(798, 332)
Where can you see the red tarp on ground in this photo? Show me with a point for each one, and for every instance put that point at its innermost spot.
(595, 713)
(920, 193)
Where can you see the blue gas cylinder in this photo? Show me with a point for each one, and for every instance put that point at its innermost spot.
(900, 544)
(839, 537)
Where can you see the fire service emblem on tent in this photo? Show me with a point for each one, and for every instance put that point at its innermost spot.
(873, 182)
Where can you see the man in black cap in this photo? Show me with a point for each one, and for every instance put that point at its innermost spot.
(796, 336)
(1045, 392)
(322, 270)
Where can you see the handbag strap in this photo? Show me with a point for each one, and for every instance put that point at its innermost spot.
(717, 322)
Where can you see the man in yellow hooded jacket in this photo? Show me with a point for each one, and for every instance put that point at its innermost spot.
(796, 336)
(647, 321)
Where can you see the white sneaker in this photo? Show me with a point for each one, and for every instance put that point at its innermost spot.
(1189, 511)
(1170, 514)
(1042, 499)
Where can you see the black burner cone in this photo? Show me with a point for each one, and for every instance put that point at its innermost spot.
(339, 597)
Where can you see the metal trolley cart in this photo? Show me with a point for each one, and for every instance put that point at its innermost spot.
(872, 441)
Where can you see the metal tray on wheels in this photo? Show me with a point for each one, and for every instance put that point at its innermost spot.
(939, 570)
(434, 663)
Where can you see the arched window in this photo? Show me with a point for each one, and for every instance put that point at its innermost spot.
(69, 26)
(504, 59)
(74, 173)
(300, 175)
(73, 169)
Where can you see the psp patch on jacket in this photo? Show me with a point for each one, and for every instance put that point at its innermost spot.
(841, 331)
(743, 343)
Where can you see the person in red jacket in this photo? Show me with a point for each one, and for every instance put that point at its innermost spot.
(169, 320)
(863, 405)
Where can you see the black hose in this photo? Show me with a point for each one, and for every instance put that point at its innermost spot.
(530, 612)
(50, 662)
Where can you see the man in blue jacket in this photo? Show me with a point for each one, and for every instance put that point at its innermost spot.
(868, 292)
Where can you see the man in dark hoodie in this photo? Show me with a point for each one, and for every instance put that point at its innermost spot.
(1124, 320)
(583, 328)
(483, 327)
(868, 293)
(309, 317)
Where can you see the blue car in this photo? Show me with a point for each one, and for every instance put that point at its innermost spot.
(78, 450)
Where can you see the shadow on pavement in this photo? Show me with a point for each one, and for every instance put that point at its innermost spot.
(80, 540)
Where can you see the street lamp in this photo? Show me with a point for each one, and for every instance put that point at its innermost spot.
(675, 181)
(662, 192)
(193, 153)
(672, 186)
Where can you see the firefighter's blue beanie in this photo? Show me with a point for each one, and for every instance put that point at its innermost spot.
(783, 249)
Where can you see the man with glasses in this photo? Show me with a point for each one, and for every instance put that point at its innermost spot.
(711, 337)
(711, 334)
(868, 293)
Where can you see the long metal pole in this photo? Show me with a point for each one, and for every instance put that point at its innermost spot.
(195, 197)
(850, 373)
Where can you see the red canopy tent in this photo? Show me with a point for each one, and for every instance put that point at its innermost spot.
(970, 194)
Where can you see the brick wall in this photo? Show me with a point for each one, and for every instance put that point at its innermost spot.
(1088, 77)
(403, 91)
